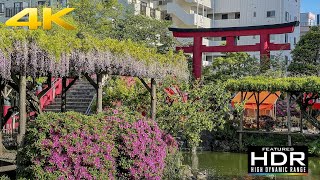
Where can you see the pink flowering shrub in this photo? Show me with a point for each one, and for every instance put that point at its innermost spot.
(68, 146)
(75, 146)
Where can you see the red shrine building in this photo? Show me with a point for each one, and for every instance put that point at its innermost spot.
(265, 46)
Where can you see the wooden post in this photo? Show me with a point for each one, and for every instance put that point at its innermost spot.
(258, 109)
(49, 81)
(64, 95)
(301, 121)
(289, 119)
(99, 93)
(1, 145)
(22, 108)
(241, 124)
(153, 98)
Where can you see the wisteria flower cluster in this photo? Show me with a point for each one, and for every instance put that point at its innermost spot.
(75, 146)
(39, 53)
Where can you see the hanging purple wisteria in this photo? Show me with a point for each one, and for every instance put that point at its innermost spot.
(32, 59)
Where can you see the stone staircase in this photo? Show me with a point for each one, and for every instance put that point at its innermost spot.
(79, 98)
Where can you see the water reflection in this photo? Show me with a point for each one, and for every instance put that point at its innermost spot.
(234, 166)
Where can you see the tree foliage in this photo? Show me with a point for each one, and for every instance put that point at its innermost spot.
(233, 65)
(95, 16)
(139, 28)
(205, 109)
(306, 55)
(110, 19)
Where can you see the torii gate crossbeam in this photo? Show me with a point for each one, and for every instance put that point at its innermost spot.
(264, 31)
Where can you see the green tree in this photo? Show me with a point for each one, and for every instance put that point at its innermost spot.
(95, 15)
(139, 28)
(205, 109)
(233, 65)
(111, 19)
(306, 55)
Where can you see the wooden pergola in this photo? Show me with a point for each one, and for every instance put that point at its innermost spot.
(26, 58)
(295, 88)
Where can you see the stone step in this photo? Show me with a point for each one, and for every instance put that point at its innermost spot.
(59, 110)
(74, 96)
(73, 100)
(70, 103)
(80, 93)
(79, 97)
(82, 86)
(58, 106)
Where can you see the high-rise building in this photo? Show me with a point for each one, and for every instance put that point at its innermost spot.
(307, 20)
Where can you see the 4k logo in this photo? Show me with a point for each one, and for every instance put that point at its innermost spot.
(48, 18)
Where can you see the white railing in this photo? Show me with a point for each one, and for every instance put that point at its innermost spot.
(206, 3)
(188, 18)
(9, 128)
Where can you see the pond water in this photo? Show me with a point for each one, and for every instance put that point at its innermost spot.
(219, 165)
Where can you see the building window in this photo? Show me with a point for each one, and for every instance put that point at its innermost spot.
(209, 58)
(1, 7)
(272, 57)
(223, 38)
(271, 14)
(225, 16)
(286, 38)
(63, 3)
(287, 16)
(254, 14)
(253, 37)
(295, 41)
(41, 3)
(144, 4)
(237, 15)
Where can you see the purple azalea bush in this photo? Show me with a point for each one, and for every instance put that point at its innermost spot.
(112, 146)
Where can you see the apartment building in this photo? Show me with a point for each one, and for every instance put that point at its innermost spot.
(235, 13)
(144, 7)
(232, 13)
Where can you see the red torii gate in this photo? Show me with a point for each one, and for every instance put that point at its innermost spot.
(231, 33)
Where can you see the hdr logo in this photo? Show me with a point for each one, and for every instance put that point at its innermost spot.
(48, 18)
(278, 160)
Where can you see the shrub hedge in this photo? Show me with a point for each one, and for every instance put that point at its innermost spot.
(105, 146)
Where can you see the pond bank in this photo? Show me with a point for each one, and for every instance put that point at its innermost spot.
(222, 165)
